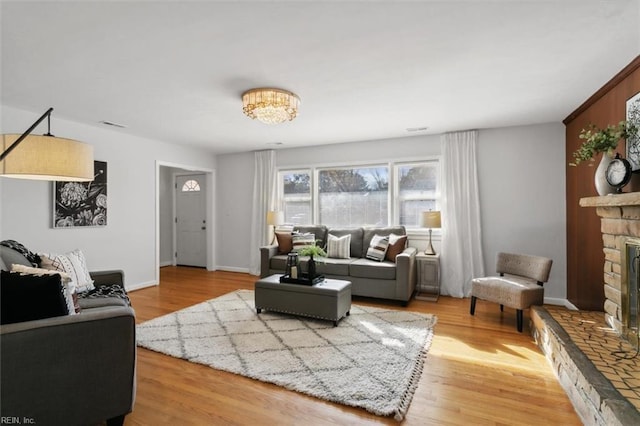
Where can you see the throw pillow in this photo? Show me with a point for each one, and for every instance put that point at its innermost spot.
(378, 248)
(339, 247)
(74, 264)
(68, 285)
(285, 242)
(397, 244)
(29, 297)
(302, 240)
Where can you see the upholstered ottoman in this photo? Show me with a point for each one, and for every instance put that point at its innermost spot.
(327, 300)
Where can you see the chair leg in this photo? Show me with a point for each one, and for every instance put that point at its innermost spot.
(501, 308)
(473, 305)
(519, 319)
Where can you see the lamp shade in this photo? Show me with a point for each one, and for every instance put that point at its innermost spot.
(431, 219)
(275, 218)
(47, 158)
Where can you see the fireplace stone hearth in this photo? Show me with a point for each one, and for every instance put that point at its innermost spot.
(620, 226)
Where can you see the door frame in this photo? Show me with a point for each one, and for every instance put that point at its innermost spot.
(210, 212)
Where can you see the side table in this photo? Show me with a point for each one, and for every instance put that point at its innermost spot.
(428, 277)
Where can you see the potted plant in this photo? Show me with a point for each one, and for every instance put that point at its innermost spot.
(314, 250)
(596, 141)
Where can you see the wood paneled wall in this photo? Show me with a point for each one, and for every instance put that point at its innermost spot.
(585, 258)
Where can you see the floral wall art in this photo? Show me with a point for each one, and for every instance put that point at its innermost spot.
(81, 204)
(633, 142)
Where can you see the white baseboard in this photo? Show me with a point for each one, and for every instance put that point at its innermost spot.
(166, 263)
(559, 302)
(570, 305)
(232, 269)
(140, 286)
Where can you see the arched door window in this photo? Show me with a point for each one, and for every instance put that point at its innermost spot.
(191, 185)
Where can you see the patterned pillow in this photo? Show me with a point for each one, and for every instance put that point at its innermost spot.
(378, 248)
(397, 244)
(339, 247)
(74, 264)
(68, 285)
(302, 240)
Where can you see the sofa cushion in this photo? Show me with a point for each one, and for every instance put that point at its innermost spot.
(378, 248)
(338, 247)
(356, 238)
(74, 264)
(30, 297)
(331, 266)
(320, 231)
(368, 234)
(279, 262)
(365, 268)
(397, 244)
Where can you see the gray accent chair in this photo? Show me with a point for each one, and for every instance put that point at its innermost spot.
(70, 370)
(518, 286)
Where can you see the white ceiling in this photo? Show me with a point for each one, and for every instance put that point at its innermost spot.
(174, 71)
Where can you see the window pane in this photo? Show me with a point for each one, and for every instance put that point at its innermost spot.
(191, 186)
(417, 187)
(296, 197)
(354, 196)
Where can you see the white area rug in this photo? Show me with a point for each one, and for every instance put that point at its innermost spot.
(372, 360)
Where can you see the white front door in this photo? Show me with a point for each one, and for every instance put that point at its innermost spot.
(191, 225)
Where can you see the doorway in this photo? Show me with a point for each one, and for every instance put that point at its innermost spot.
(166, 241)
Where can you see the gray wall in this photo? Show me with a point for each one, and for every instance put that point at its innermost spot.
(129, 240)
(522, 191)
(521, 174)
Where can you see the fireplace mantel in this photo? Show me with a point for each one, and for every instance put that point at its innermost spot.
(612, 200)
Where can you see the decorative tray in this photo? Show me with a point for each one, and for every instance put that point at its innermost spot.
(303, 279)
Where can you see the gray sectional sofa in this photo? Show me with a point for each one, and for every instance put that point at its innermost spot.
(73, 369)
(384, 280)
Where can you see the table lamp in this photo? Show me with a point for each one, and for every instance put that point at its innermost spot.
(431, 219)
(274, 218)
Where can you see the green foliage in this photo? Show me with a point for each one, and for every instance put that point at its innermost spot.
(316, 251)
(598, 140)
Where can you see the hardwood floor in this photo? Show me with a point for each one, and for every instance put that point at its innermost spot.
(479, 371)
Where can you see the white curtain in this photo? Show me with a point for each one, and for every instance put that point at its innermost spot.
(461, 257)
(264, 199)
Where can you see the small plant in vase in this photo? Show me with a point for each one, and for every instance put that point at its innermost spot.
(597, 140)
(312, 251)
(606, 140)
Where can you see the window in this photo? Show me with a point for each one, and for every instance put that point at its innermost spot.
(353, 196)
(368, 195)
(295, 193)
(191, 186)
(417, 189)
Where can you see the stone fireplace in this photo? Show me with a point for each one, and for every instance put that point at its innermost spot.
(620, 226)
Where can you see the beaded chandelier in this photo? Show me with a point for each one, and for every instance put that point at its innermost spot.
(271, 106)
